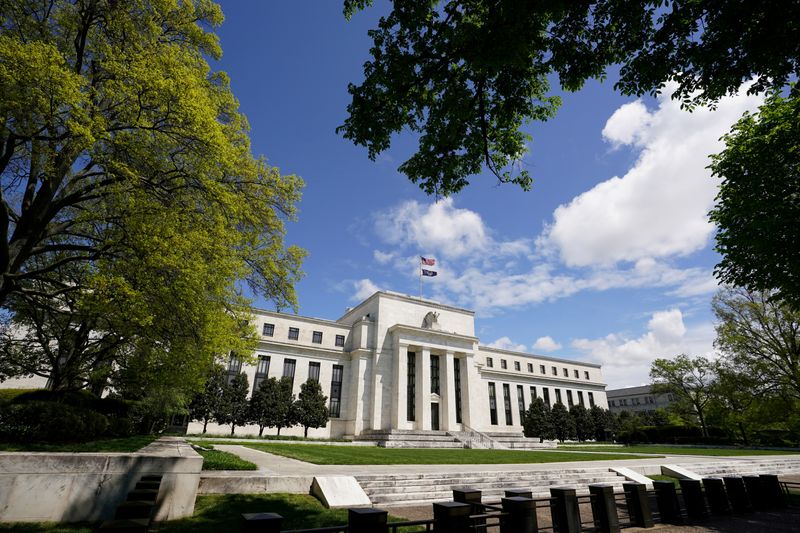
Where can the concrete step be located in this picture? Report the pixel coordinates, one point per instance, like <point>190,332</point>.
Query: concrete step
<point>467,480</point>
<point>419,444</point>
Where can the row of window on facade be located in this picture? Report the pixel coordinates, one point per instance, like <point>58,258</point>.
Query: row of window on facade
<point>623,402</point>
<point>289,365</point>
<point>294,334</point>
<point>521,400</point>
<point>542,369</point>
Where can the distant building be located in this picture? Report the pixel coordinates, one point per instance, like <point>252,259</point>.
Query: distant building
<point>636,400</point>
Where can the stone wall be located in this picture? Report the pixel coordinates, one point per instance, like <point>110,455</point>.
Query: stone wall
<point>76,487</point>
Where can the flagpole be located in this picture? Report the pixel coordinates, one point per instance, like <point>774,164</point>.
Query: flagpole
<point>420,278</point>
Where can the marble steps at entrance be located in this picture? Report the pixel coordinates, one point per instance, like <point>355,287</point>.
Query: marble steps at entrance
<point>514,441</point>
<point>410,439</point>
<point>427,488</point>
<point>781,466</point>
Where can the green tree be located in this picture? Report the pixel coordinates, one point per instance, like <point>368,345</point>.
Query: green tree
<point>271,403</point>
<point>536,422</point>
<point>233,407</point>
<point>601,422</point>
<point>584,422</point>
<point>563,425</point>
<point>310,409</point>
<point>206,403</point>
<point>285,417</point>
<point>127,160</point>
<point>760,334</point>
<point>690,381</point>
<point>468,74</point>
<point>758,204</point>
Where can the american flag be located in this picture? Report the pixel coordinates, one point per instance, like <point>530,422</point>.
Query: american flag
<point>426,261</point>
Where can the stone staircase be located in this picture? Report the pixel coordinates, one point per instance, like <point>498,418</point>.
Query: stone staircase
<point>396,438</point>
<point>420,489</point>
<point>513,441</point>
<point>767,465</point>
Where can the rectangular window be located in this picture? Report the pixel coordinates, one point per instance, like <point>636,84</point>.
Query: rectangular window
<point>533,394</point>
<point>542,370</point>
<point>411,371</point>
<point>489,362</point>
<point>580,398</point>
<point>294,334</point>
<point>492,404</point>
<point>586,374</point>
<point>507,404</point>
<point>530,368</point>
<point>570,402</point>
<point>521,400</point>
<point>546,396</point>
<point>555,371</point>
<point>576,374</point>
<point>262,371</point>
<point>288,368</point>
<point>503,364</point>
<point>340,340</point>
<point>558,396</point>
<point>269,330</point>
<point>313,371</point>
<point>613,402</point>
<point>516,366</point>
<point>434,374</point>
<point>336,391</point>
<point>316,337</point>
<point>234,367</point>
<point>457,376</point>
<point>566,373</point>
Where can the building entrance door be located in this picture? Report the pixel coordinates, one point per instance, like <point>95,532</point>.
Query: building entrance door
<point>435,416</point>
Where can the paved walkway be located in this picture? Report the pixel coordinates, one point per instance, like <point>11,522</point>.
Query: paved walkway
<point>272,464</point>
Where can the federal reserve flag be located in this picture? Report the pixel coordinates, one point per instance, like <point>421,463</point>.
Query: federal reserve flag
<point>429,273</point>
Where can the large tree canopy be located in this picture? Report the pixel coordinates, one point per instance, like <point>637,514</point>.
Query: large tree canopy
<point>468,74</point>
<point>111,116</point>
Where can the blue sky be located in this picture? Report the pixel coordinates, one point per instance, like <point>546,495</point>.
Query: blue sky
<point>608,258</point>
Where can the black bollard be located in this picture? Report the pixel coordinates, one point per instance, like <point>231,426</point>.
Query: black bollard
<point>452,517</point>
<point>773,495</point>
<point>472,497</point>
<point>367,520</point>
<point>715,494</point>
<point>693,499</point>
<point>737,494</point>
<point>261,523</point>
<point>638,505</point>
<point>521,515</point>
<point>566,513</point>
<point>521,493</point>
<point>755,492</point>
<point>604,507</point>
<point>667,498</point>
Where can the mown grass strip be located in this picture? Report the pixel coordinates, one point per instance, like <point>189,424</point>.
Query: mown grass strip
<point>362,455</point>
<point>120,445</point>
<point>680,450</point>
<point>219,460</point>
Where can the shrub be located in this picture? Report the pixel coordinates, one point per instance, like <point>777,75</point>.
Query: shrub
<point>47,421</point>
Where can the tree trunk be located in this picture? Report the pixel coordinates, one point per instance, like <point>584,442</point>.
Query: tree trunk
<point>279,431</point>
<point>205,425</point>
<point>702,421</point>
<point>744,434</point>
<point>233,427</point>
<point>260,430</point>
<point>305,432</point>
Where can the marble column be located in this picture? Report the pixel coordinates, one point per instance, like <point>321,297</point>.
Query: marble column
<point>400,384</point>
<point>423,389</point>
<point>448,397</point>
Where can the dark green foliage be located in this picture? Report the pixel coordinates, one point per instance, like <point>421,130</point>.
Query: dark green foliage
<point>536,422</point>
<point>206,403</point>
<point>310,410</point>
<point>758,206</point>
<point>467,74</point>
<point>584,422</point>
<point>233,406</point>
<point>271,404</point>
<point>603,423</point>
<point>562,423</point>
<point>43,421</point>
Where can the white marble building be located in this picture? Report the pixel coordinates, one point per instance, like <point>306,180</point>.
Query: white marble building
<point>395,362</point>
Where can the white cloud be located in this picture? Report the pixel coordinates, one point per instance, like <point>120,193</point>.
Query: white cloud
<point>364,289</point>
<point>546,344</point>
<point>659,207</point>
<point>504,343</point>
<point>626,361</point>
<point>383,257</point>
<point>438,227</point>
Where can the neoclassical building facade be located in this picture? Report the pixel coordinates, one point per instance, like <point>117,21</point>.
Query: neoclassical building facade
<point>395,362</point>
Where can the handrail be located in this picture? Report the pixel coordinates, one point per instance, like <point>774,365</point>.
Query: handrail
<point>474,436</point>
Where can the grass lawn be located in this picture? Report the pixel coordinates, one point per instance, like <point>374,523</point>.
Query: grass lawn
<point>219,460</point>
<point>679,450</point>
<point>222,512</point>
<point>48,527</point>
<point>364,455</point>
<point>127,444</point>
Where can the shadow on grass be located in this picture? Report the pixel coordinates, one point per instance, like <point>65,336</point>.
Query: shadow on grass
<point>48,527</point>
